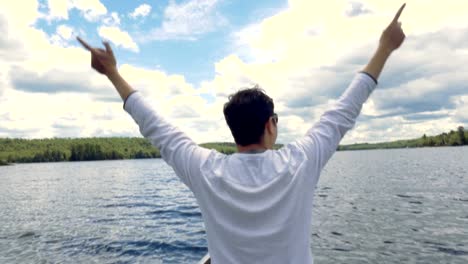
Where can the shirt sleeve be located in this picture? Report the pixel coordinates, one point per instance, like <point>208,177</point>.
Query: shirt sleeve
<point>322,140</point>
<point>176,148</point>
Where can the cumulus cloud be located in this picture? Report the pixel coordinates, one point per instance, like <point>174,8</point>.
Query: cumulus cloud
<point>461,113</point>
<point>7,44</point>
<point>58,9</point>
<point>27,8</point>
<point>62,35</point>
<point>427,75</point>
<point>188,20</point>
<point>91,10</point>
<point>303,56</point>
<point>141,11</point>
<point>51,82</point>
<point>356,9</point>
<point>112,20</point>
<point>57,115</point>
<point>418,89</point>
<point>71,100</point>
<point>16,32</point>
<point>55,82</point>
<point>118,37</point>
<point>64,31</point>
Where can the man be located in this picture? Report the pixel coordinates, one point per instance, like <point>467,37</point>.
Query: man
<point>257,203</point>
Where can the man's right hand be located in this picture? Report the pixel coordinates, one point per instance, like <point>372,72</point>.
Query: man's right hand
<point>391,39</point>
<point>103,61</point>
<point>393,36</point>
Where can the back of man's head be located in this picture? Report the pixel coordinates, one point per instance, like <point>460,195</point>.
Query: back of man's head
<point>246,114</point>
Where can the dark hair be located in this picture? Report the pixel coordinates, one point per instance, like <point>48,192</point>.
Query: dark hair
<point>246,113</point>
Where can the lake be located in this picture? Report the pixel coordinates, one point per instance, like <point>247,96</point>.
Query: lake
<point>375,206</point>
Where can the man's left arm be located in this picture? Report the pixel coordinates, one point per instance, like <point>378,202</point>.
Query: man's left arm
<point>322,139</point>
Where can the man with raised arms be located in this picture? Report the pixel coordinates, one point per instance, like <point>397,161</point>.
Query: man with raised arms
<point>257,203</point>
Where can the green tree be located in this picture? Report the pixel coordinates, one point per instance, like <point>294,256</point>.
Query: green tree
<point>461,135</point>
<point>454,140</point>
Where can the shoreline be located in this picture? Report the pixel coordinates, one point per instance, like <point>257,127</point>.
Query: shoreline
<point>4,163</point>
<point>120,148</point>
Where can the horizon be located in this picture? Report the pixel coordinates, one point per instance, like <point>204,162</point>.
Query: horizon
<point>187,56</point>
<point>232,142</point>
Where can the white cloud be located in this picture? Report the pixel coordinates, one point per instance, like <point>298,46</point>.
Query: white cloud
<point>3,77</point>
<point>141,11</point>
<point>61,72</point>
<point>65,32</point>
<point>49,115</point>
<point>66,98</point>
<point>423,16</point>
<point>306,55</point>
<point>28,10</point>
<point>92,10</point>
<point>322,34</point>
<point>188,20</point>
<point>58,9</point>
<point>112,20</point>
<point>461,113</point>
<point>146,79</point>
<point>62,36</point>
<point>303,56</point>
<point>118,37</point>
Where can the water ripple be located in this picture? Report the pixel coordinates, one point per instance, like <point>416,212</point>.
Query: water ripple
<point>392,206</point>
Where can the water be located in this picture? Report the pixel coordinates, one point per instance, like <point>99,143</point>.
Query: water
<point>380,206</point>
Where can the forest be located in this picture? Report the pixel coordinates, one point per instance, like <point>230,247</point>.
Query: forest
<point>76,149</point>
<point>457,137</point>
<point>14,150</point>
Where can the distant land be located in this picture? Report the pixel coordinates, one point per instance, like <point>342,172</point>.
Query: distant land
<point>13,150</point>
<point>457,137</point>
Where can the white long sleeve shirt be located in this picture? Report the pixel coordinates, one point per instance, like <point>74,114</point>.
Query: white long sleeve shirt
<point>257,208</point>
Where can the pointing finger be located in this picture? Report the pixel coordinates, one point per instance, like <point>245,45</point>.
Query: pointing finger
<point>108,47</point>
<point>397,16</point>
<point>84,44</point>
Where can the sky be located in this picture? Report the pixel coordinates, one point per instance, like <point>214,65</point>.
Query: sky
<point>188,56</point>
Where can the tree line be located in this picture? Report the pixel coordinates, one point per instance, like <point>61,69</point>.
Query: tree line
<point>80,149</point>
<point>457,137</point>
<point>14,150</point>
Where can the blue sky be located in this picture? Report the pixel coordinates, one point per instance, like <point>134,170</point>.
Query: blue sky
<point>187,56</point>
<point>191,55</point>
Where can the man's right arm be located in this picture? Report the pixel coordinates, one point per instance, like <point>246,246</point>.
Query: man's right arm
<point>391,39</point>
<point>176,148</point>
